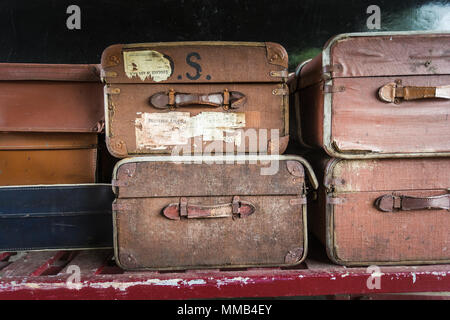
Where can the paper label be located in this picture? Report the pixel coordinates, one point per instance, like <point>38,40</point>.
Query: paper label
<point>156,130</point>
<point>147,64</point>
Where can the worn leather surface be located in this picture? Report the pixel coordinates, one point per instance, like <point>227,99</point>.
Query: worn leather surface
<point>146,239</point>
<point>356,232</point>
<point>391,91</point>
<point>390,203</point>
<point>226,100</point>
<point>261,110</point>
<point>361,123</point>
<point>50,98</point>
<point>50,72</point>
<point>235,209</point>
<point>391,55</point>
<point>203,62</point>
<point>47,158</point>
<point>195,71</point>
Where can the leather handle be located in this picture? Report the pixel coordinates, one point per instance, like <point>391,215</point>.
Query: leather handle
<point>390,203</point>
<point>394,92</point>
<point>235,209</point>
<point>171,100</point>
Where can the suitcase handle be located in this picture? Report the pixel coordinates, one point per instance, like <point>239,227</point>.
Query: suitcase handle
<point>171,100</point>
<point>394,92</point>
<point>390,203</point>
<point>235,209</point>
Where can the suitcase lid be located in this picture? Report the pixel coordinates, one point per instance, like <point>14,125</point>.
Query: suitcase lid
<point>30,201</point>
<point>211,176</point>
<point>51,98</point>
<point>50,72</point>
<point>45,141</point>
<point>375,54</point>
<point>342,175</point>
<point>194,62</point>
<point>387,54</point>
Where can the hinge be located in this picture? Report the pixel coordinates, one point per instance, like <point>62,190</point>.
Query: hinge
<point>110,90</point>
<point>337,182</point>
<point>333,89</point>
<point>108,74</point>
<point>280,91</point>
<point>333,68</point>
<point>301,200</point>
<point>334,200</point>
<point>279,74</point>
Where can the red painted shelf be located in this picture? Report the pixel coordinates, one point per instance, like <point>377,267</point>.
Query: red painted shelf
<point>52,275</point>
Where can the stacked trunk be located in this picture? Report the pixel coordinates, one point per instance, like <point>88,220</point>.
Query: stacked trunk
<point>209,210</point>
<point>51,117</point>
<point>378,105</point>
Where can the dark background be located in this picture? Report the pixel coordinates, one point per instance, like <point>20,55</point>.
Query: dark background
<point>35,31</point>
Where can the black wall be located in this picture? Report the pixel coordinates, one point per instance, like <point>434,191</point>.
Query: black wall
<point>35,31</point>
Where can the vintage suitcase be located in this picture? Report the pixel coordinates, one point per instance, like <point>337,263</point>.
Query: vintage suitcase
<point>56,217</point>
<point>196,97</point>
<point>383,211</point>
<point>374,95</point>
<point>47,158</point>
<point>50,117</point>
<point>50,98</point>
<point>171,213</point>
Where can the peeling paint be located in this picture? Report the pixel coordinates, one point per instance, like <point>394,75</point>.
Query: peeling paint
<point>233,280</point>
<point>194,282</point>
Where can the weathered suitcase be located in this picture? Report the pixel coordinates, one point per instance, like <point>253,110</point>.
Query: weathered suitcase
<point>56,217</point>
<point>47,158</point>
<point>373,95</point>
<point>50,117</point>
<point>171,214</point>
<point>383,211</point>
<point>194,97</point>
<point>50,98</point>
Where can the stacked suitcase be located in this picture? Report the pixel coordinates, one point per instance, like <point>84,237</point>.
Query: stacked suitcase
<point>51,117</point>
<point>172,111</point>
<point>200,128</point>
<point>378,105</point>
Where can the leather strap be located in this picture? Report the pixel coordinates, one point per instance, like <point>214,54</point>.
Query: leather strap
<point>394,92</point>
<point>390,203</point>
<point>235,209</point>
<point>171,100</point>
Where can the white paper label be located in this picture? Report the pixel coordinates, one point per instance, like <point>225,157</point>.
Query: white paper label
<point>147,64</point>
<point>156,130</point>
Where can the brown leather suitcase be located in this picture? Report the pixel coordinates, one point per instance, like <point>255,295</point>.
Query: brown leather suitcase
<point>218,212</point>
<point>383,211</point>
<point>50,118</point>
<point>376,95</point>
<point>196,97</point>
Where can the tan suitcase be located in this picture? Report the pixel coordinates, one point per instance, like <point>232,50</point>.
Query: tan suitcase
<point>29,158</point>
<point>50,118</point>
<point>196,98</point>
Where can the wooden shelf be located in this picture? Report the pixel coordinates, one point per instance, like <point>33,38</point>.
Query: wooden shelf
<point>49,275</point>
